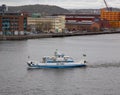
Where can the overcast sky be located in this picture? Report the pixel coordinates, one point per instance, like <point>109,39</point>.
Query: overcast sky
<point>68,4</point>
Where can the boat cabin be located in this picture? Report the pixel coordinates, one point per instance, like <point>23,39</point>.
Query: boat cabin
<point>57,58</point>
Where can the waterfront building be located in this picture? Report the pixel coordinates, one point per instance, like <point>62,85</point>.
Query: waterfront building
<point>13,23</point>
<point>82,22</point>
<point>112,16</point>
<point>83,26</point>
<point>57,23</point>
<point>3,8</point>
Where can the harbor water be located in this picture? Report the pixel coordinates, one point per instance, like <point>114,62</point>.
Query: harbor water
<point>100,77</point>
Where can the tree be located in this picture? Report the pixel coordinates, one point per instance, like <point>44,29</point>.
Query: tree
<point>39,26</point>
<point>95,29</point>
<point>44,26</point>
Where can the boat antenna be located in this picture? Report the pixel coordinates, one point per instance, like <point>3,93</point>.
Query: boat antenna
<point>56,52</point>
<point>28,57</point>
<point>84,55</point>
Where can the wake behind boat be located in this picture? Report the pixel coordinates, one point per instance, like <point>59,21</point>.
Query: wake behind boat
<point>59,60</point>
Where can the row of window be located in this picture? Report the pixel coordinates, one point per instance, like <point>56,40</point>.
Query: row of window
<point>12,28</point>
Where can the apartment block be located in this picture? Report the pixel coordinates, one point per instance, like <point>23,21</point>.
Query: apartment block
<point>57,22</point>
<point>112,16</point>
<point>12,23</point>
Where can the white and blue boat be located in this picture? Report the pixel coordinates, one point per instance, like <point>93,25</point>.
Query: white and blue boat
<point>59,60</point>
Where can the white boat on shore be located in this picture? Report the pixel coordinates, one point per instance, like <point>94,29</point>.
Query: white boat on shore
<point>59,60</point>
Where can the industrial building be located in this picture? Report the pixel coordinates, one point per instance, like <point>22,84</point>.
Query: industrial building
<point>82,22</point>
<point>87,26</point>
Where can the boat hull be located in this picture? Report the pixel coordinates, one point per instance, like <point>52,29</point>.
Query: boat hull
<point>68,65</point>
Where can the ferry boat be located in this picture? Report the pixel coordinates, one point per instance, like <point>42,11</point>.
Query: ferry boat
<point>59,60</point>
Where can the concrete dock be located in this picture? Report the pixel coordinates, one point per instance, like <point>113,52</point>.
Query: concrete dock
<point>53,35</point>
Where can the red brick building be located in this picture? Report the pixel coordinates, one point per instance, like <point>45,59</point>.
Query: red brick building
<point>83,22</point>
<point>83,26</point>
<point>13,22</point>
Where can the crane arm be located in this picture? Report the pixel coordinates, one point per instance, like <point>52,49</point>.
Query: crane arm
<point>106,4</point>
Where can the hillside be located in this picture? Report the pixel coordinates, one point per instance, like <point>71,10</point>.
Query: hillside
<point>43,9</point>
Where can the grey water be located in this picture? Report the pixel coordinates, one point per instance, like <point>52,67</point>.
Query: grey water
<point>100,77</point>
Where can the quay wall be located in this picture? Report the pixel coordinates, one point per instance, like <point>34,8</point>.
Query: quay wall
<point>52,35</point>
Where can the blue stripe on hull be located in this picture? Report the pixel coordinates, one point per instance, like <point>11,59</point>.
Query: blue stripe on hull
<point>63,66</point>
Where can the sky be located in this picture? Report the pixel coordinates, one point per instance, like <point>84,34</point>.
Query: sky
<point>67,4</point>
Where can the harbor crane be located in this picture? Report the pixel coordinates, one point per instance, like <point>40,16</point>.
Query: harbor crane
<point>106,4</point>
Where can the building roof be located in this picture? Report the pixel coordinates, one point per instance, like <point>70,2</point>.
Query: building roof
<point>74,14</point>
<point>10,13</point>
<point>80,23</point>
<point>112,9</point>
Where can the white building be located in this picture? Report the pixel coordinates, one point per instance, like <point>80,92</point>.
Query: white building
<point>57,22</point>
